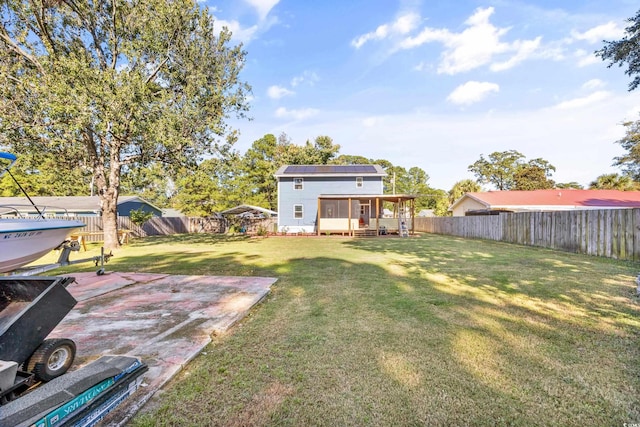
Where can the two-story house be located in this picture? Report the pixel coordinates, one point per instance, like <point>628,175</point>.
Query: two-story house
<point>338,199</point>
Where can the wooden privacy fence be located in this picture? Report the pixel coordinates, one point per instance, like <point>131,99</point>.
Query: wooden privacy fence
<point>612,233</point>
<point>159,226</point>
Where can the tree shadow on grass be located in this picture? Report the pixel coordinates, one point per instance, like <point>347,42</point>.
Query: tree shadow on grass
<point>191,239</point>
<point>402,342</point>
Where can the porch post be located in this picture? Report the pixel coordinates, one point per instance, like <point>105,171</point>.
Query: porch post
<point>349,201</point>
<point>377,216</point>
<point>413,209</point>
<point>319,215</point>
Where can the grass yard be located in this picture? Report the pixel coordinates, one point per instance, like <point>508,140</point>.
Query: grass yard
<point>430,330</point>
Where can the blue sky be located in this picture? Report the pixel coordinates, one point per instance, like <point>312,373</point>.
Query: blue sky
<point>437,83</point>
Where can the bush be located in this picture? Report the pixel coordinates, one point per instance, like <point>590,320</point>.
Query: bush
<point>139,216</point>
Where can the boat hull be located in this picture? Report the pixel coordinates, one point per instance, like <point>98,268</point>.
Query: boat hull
<point>23,241</point>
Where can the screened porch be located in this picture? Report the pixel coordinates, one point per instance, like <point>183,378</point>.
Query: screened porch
<point>371,215</point>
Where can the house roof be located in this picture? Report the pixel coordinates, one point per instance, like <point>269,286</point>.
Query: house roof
<point>554,199</point>
<point>68,203</point>
<point>384,197</point>
<point>330,170</point>
<point>241,209</point>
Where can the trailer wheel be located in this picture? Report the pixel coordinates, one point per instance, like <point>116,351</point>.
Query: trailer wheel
<point>52,358</point>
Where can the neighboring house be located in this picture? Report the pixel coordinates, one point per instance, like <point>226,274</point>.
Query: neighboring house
<point>426,213</point>
<point>338,199</point>
<point>172,213</point>
<point>491,202</point>
<point>76,205</point>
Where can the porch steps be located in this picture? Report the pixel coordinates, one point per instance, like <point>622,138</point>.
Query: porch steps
<point>365,232</point>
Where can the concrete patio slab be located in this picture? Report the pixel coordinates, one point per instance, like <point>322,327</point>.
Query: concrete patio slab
<point>164,320</point>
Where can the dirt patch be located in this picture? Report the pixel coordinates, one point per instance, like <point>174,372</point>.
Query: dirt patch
<point>262,405</point>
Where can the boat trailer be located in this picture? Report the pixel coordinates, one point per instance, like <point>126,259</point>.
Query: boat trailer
<point>33,390</point>
<point>65,249</point>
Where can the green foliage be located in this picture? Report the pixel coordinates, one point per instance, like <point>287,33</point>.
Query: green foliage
<point>113,85</point>
<point>151,183</point>
<point>267,154</point>
<point>45,175</point>
<point>498,169</point>
<point>461,187</point>
<point>625,51</point>
<point>507,170</point>
<point>262,231</point>
<point>566,185</point>
<point>435,199</point>
<point>630,162</point>
<point>614,181</point>
<point>139,216</point>
<point>533,177</point>
<point>208,189</point>
<point>346,159</point>
<point>621,52</point>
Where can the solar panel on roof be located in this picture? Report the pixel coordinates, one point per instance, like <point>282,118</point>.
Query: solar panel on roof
<point>326,169</point>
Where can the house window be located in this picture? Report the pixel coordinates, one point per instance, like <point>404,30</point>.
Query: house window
<point>297,211</point>
<point>297,183</point>
<point>359,182</point>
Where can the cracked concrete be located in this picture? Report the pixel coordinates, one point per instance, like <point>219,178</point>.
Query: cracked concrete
<point>164,320</point>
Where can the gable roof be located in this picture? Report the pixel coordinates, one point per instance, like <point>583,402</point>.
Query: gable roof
<point>330,170</point>
<point>554,199</point>
<point>241,209</point>
<point>68,203</point>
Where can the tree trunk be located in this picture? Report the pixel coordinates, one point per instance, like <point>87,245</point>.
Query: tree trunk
<point>110,220</point>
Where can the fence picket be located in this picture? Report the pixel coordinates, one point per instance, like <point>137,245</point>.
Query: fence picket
<point>602,232</point>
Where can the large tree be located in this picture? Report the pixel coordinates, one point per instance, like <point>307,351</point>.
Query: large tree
<point>614,181</point>
<point>630,161</point>
<point>460,188</point>
<point>267,154</point>
<point>625,51</point>
<point>260,163</point>
<point>498,169</point>
<point>532,177</point>
<point>508,170</point>
<point>117,84</point>
<point>45,175</point>
<point>621,52</point>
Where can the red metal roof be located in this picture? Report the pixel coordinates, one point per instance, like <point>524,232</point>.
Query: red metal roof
<point>565,197</point>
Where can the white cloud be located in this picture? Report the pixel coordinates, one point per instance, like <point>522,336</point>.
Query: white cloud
<point>369,121</point>
<point>585,58</point>
<point>404,24</point>
<point>593,84</point>
<point>277,92</point>
<point>308,77</point>
<point>238,32</point>
<point>444,145</point>
<point>472,92</point>
<point>263,7</point>
<point>475,46</point>
<point>584,101</point>
<point>524,49</point>
<point>301,114</point>
<point>246,34</point>
<point>608,31</point>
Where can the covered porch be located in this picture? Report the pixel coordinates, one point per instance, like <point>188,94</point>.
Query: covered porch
<point>359,214</point>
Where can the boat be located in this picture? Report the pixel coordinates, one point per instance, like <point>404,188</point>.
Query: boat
<point>25,239</point>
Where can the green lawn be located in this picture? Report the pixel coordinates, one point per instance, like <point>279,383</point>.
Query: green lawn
<point>430,330</point>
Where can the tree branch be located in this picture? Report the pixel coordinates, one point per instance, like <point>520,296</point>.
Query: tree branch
<point>4,36</point>
<point>44,32</point>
